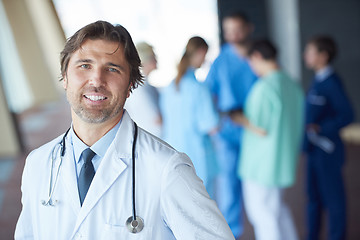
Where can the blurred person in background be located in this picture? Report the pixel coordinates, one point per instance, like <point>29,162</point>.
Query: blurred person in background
<point>143,103</point>
<point>273,122</point>
<point>189,116</point>
<point>327,111</point>
<point>229,80</point>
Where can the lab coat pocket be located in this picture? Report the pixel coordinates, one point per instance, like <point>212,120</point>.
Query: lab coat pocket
<point>113,232</point>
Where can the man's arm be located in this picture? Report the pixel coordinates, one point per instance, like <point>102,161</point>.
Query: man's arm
<point>186,207</point>
<point>341,105</point>
<point>24,228</point>
<point>239,118</point>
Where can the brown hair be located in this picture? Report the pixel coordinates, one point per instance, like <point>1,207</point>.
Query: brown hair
<point>265,47</point>
<point>194,44</point>
<point>241,16</point>
<point>104,31</point>
<point>325,44</point>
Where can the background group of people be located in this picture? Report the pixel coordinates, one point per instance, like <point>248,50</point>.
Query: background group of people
<point>249,121</point>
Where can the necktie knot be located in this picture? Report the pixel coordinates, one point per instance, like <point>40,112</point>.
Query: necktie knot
<point>88,155</point>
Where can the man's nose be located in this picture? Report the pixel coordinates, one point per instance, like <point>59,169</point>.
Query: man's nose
<point>97,77</point>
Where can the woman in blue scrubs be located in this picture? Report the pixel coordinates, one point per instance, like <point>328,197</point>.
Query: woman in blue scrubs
<point>189,116</point>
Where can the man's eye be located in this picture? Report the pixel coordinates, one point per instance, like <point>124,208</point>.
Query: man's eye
<point>85,66</point>
<point>113,70</point>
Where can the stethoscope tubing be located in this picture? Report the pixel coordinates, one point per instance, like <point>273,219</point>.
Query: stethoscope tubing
<point>62,154</point>
<point>133,169</point>
<point>134,223</point>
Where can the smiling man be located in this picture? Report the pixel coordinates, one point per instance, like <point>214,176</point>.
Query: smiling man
<point>105,178</point>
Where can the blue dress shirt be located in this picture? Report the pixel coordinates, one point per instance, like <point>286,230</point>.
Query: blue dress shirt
<point>100,147</point>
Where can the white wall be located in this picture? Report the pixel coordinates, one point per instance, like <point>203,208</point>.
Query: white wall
<point>284,31</point>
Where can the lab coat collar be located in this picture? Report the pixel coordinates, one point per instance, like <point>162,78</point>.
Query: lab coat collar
<point>69,177</point>
<point>112,165</point>
<point>124,137</point>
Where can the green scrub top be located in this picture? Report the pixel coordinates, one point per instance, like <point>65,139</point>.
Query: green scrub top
<point>275,104</point>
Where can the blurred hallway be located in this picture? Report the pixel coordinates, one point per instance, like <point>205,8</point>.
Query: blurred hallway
<point>48,121</point>
<point>38,125</point>
<point>32,36</point>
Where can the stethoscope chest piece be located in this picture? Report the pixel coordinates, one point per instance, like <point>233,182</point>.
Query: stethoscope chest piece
<point>135,225</point>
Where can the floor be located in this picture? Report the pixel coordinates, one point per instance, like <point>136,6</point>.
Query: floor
<point>43,123</point>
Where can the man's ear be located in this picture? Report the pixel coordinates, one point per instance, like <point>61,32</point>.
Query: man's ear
<point>129,90</point>
<point>325,57</point>
<point>65,82</point>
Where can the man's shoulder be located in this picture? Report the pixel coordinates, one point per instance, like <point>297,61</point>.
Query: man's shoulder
<point>225,52</point>
<point>226,48</point>
<point>332,81</point>
<point>150,142</point>
<point>160,151</point>
<point>260,87</point>
<point>46,148</point>
<point>41,156</point>
<point>327,86</point>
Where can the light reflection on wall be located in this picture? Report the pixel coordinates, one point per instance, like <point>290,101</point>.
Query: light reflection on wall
<point>14,81</point>
<point>167,25</point>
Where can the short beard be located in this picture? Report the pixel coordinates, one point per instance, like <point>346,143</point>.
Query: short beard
<point>100,116</point>
<point>93,116</point>
<point>245,42</point>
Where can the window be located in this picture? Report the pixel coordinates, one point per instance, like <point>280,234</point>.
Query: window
<point>166,25</point>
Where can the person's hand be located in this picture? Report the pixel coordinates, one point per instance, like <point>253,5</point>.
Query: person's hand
<point>239,118</point>
<point>259,131</point>
<point>213,131</point>
<point>313,127</point>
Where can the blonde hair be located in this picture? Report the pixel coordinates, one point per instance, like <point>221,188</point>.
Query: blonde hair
<point>145,50</point>
<point>194,44</point>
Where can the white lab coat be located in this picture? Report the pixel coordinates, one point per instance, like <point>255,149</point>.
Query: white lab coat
<point>169,196</point>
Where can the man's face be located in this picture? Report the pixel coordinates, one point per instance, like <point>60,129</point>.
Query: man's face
<point>235,30</point>
<point>97,81</point>
<point>314,59</point>
<point>255,61</point>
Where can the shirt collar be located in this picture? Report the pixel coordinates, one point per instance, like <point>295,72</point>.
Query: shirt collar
<point>100,147</point>
<point>78,145</point>
<point>323,73</point>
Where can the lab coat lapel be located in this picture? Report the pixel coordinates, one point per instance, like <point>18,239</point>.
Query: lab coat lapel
<point>111,166</point>
<point>69,178</point>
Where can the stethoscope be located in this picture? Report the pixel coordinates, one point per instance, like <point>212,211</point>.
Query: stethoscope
<point>135,224</point>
